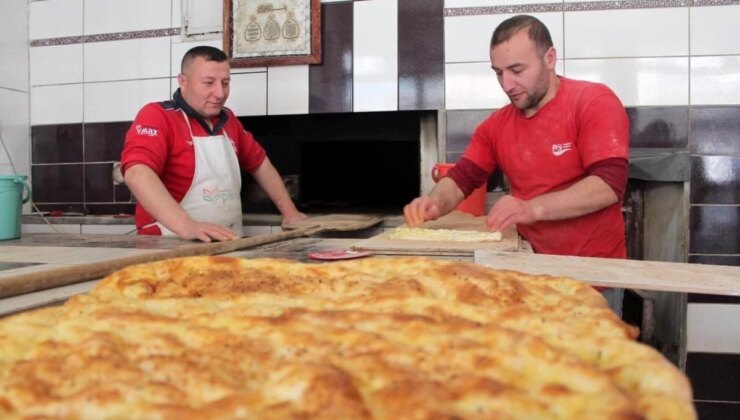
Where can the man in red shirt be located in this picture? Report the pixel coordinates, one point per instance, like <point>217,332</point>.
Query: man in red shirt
<point>562,143</point>
<point>182,158</point>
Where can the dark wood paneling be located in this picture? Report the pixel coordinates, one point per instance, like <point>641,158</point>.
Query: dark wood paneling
<point>421,56</point>
<point>330,83</point>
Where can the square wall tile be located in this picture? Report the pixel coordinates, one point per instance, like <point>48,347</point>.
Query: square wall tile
<point>714,376</point>
<point>287,90</point>
<point>59,64</point>
<point>715,180</point>
<point>637,81</point>
<point>99,182</point>
<point>57,183</point>
<point>14,131</point>
<point>56,104</point>
<point>105,16</point>
<point>468,38</point>
<point>57,143</point>
<point>472,86</point>
<point>375,56</point>
<point>714,30</point>
<point>710,328</point>
<point>460,127</point>
<point>711,410</point>
<point>248,94</point>
<point>715,130</point>
<point>715,80</point>
<point>130,97</point>
<point>662,127</point>
<point>55,18</point>
<point>104,141</point>
<point>713,230</point>
<point>124,60</point>
<point>733,260</point>
<point>627,33</point>
<point>121,194</point>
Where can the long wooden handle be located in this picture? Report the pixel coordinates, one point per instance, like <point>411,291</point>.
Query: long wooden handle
<point>31,282</point>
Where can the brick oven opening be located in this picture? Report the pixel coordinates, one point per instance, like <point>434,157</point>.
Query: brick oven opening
<point>348,163</point>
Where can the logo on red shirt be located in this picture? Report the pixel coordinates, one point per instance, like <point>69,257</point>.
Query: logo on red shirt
<point>560,149</point>
<point>146,131</point>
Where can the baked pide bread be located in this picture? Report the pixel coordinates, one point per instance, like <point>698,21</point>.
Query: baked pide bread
<point>387,338</point>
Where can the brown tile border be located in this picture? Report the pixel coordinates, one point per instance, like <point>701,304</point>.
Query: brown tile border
<point>116,36</point>
<point>583,6</point>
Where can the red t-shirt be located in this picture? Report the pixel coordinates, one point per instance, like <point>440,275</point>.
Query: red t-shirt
<point>160,138</point>
<point>585,123</point>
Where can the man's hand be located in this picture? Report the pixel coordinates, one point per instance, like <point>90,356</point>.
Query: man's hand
<point>206,232</point>
<point>420,210</point>
<point>508,211</point>
<point>293,217</point>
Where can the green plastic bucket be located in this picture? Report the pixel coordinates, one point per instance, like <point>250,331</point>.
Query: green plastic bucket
<point>11,200</point>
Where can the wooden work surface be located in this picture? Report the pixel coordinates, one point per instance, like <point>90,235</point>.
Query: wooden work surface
<point>382,244</point>
<point>626,274</point>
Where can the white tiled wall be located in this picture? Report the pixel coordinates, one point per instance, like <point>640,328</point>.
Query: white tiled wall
<point>637,81</point>
<point>56,104</point>
<point>287,90</point>
<point>55,18</point>
<point>106,16</point>
<point>115,101</point>
<point>248,95</point>
<point>126,60</point>
<point>715,80</point>
<point>58,64</point>
<point>715,30</point>
<point>713,328</point>
<point>627,33</point>
<point>467,38</point>
<point>695,62</point>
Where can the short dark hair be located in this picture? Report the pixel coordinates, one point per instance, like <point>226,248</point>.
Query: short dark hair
<point>205,52</point>
<point>537,31</point>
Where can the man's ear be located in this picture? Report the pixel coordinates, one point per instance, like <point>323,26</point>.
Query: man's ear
<point>181,79</point>
<point>551,58</point>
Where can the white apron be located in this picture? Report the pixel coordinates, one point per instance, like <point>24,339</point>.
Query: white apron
<point>213,196</point>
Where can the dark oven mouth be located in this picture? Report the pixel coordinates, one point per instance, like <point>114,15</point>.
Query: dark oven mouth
<point>339,163</point>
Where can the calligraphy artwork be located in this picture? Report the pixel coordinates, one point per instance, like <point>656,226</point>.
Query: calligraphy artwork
<point>272,32</point>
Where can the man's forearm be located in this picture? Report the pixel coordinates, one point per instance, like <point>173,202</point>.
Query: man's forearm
<point>585,196</point>
<point>153,195</point>
<point>269,179</point>
<point>447,195</point>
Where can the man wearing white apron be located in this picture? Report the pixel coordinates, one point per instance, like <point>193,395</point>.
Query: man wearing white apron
<point>182,158</point>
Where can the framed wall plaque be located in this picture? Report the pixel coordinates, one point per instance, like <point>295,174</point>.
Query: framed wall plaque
<point>272,32</point>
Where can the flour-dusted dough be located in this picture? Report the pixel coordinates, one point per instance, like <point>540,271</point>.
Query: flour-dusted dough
<point>423,234</point>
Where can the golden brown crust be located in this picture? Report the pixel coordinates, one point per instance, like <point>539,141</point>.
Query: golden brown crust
<point>217,337</point>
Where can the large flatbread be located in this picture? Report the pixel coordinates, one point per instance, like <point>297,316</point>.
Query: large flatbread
<point>392,338</point>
